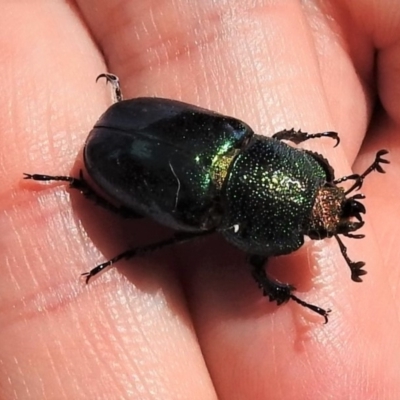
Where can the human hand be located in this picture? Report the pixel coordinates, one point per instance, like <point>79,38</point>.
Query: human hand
<point>190,322</point>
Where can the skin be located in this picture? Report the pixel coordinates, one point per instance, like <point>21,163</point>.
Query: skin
<point>190,322</point>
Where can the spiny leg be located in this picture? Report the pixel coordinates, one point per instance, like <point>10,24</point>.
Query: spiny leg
<point>114,81</point>
<point>143,250</point>
<point>82,185</point>
<point>299,136</point>
<point>277,291</point>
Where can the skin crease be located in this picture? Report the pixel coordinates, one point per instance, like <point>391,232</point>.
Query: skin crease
<point>190,322</point>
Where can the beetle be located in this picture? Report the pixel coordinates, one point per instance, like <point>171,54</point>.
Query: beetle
<point>200,172</point>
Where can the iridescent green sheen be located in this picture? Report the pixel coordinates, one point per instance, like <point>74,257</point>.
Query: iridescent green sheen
<point>270,192</point>
<point>170,158</point>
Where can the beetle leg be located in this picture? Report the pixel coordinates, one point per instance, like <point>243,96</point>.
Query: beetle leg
<point>144,250</point>
<point>277,291</point>
<point>354,177</point>
<point>82,185</point>
<point>114,81</point>
<point>299,136</point>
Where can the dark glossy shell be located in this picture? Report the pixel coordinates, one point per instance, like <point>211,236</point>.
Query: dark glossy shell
<point>269,194</point>
<point>158,157</point>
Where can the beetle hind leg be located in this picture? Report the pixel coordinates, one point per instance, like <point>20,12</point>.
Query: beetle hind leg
<point>82,186</point>
<point>277,291</point>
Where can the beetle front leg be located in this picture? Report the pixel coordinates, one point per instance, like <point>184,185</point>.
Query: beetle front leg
<point>82,185</point>
<point>277,291</point>
<point>299,136</point>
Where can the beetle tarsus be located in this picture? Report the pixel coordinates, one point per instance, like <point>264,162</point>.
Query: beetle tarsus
<point>324,313</point>
<point>96,270</point>
<point>114,81</point>
<point>277,291</point>
<point>47,178</point>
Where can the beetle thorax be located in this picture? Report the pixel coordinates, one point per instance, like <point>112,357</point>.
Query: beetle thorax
<point>326,214</point>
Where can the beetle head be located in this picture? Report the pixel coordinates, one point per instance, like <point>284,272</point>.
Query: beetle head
<point>333,213</point>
